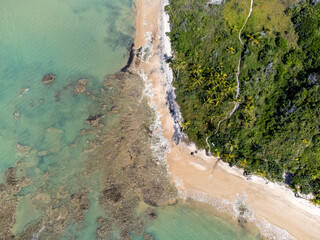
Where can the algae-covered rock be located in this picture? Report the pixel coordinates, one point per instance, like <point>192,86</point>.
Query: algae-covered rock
<point>117,159</point>
<point>94,120</point>
<point>104,230</point>
<point>9,202</point>
<point>81,205</point>
<point>22,150</point>
<point>16,115</point>
<point>48,78</point>
<point>81,86</point>
<point>130,172</point>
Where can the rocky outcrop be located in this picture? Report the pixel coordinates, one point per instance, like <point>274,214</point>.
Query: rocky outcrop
<point>94,120</point>
<point>48,78</point>
<point>119,152</point>
<point>81,205</point>
<point>81,86</point>
<point>9,202</point>
<point>131,173</point>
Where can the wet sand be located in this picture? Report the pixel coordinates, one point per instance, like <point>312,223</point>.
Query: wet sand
<point>272,207</point>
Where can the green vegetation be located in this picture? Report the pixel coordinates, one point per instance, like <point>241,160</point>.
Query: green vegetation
<point>276,128</point>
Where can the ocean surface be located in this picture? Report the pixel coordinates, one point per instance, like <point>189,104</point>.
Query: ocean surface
<point>69,149</point>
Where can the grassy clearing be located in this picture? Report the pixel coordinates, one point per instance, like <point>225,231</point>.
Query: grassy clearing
<point>266,15</point>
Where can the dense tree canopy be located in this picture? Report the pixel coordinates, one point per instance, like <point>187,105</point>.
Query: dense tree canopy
<point>275,132</point>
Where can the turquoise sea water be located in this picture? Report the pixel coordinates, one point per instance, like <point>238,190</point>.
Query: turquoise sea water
<point>40,124</point>
<point>197,222</point>
<point>72,39</point>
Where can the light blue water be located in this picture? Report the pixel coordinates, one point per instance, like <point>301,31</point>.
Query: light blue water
<point>196,222</point>
<point>40,124</point>
<point>73,39</point>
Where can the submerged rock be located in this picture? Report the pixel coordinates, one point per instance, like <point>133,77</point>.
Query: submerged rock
<point>9,202</point>
<point>147,236</point>
<point>104,230</point>
<point>81,86</point>
<point>81,205</point>
<point>57,96</point>
<point>48,78</point>
<point>16,115</point>
<point>86,131</point>
<point>130,171</point>
<point>112,194</point>
<point>94,120</point>
<point>23,91</point>
<point>43,153</point>
<point>22,150</point>
<point>151,213</point>
<point>114,109</point>
<point>120,163</point>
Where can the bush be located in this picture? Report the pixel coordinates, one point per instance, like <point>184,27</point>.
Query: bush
<point>282,43</point>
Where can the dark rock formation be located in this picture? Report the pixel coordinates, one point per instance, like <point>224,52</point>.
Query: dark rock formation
<point>130,60</point>
<point>94,120</point>
<point>8,202</point>
<point>112,194</point>
<point>151,213</point>
<point>48,78</point>
<point>81,205</point>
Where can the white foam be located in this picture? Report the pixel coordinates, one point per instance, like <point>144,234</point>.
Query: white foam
<point>147,50</point>
<point>222,205</point>
<point>271,231</point>
<point>159,145</point>
<point>235,209</point>
<point>166,43</point>
<point>178,182</point>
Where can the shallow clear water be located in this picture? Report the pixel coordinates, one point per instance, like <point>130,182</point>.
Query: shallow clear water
<point>197,222</point>
<point>40,125</point>
<point>72,39</point>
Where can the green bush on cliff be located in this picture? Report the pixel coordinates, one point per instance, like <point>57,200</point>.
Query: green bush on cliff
<point>276,128</point>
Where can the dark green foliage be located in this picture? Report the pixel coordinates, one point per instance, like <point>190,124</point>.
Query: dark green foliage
<point>282,43</point>
<point>276,129</point>
<point>306,19</point>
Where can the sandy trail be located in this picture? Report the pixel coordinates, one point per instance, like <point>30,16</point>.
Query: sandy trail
<point>273,208</point>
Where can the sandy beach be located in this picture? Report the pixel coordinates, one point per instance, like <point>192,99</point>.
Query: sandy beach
<point>272,207</point>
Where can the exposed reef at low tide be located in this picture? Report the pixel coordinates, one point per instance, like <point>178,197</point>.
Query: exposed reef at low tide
<point>117,154</point>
